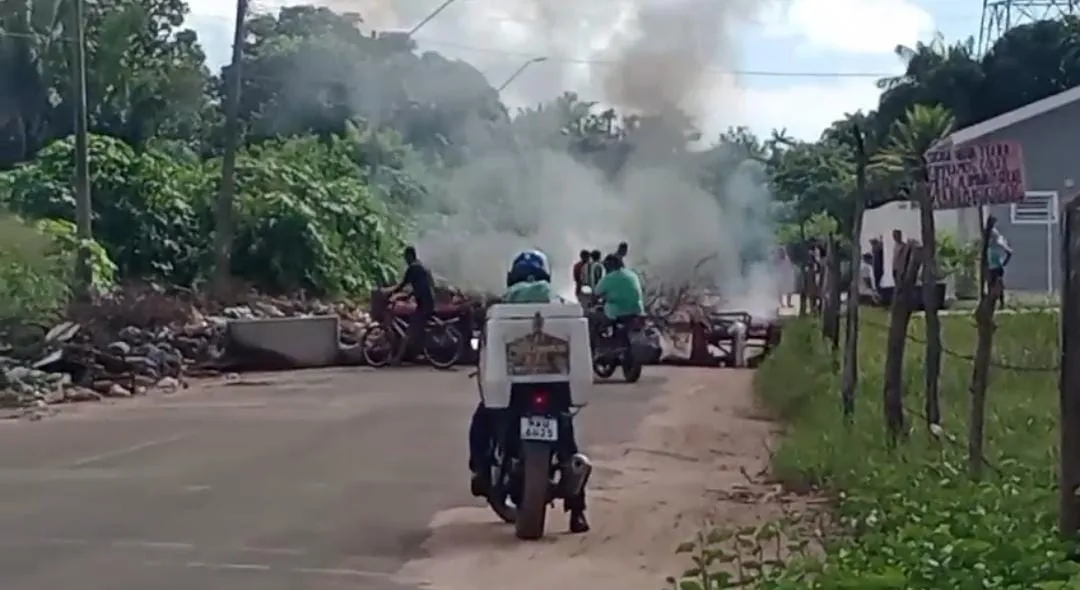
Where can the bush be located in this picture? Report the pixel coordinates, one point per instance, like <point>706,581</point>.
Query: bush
<point>33,280</point>
<point>910,517</point>
<point>37,263</point>
<point>305,219</point>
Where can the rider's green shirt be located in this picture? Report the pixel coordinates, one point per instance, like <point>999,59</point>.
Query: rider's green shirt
<point>622,294</point>
<point>530,292</point>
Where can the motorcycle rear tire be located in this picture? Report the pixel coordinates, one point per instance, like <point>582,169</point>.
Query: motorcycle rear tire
<point>443,347</point>
<point>535,486</point>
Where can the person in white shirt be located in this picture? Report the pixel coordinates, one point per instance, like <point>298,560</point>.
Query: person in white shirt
<point>868,293</point>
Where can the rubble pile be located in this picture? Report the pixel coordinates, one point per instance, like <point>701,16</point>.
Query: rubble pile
<point>138,339</point>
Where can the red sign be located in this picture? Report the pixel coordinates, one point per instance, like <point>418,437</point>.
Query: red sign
<point>976,175</point>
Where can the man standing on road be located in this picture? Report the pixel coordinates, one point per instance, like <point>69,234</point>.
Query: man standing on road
<point>594,271</point>
<point>418,278</point>
<point>998,255</point>
<point>622,251</point>
<point>579,272</point>
<point>877,253</point>
<point>899,256</point>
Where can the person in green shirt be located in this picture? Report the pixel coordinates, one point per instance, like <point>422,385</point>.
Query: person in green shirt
<point>621,290</point>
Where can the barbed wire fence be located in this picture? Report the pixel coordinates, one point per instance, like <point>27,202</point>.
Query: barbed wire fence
<point>995,363</point>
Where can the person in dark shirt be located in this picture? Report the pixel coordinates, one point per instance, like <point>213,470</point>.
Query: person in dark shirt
<point>622,251</point>
<point>579,271</point>
<point>877,253</point>
<point>418,278</point>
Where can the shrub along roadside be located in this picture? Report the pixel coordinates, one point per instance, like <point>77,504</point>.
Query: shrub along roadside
<point>910,518</point>
<point>305,219</point>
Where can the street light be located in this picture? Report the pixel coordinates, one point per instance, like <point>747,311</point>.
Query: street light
<point>518,72</point>
<point>434,13</point>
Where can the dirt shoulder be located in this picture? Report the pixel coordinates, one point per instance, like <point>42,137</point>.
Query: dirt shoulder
<point>691,462</point>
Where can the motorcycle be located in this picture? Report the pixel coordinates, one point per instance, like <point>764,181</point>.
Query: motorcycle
<point>532,384</point>
<point>613,343</point>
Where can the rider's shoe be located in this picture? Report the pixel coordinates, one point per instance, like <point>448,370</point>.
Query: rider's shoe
<point>578,522</point>
<point>479,486</point>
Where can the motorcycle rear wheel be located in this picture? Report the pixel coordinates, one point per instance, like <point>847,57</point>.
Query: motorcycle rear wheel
<point>535,485</point>
<point>377,346</point>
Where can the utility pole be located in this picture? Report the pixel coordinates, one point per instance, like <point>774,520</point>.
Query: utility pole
<point>84,274</point>
<point>223,236</point>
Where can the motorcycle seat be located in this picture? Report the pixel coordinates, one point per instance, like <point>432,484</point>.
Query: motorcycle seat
<point>406,309</point>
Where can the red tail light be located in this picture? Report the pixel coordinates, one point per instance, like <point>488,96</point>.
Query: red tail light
<point>540,401</point>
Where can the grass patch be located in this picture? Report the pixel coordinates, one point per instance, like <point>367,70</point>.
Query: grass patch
<point>912,518</point>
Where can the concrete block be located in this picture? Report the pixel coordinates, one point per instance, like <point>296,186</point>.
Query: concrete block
<point>301,342</point>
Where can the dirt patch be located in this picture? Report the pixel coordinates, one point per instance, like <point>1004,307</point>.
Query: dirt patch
<point>690,463</point>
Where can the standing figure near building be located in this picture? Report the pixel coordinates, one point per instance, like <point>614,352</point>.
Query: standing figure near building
<point>998,255</point>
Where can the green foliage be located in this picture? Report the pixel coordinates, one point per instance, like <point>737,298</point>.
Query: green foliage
<point>909,518</point>
<point>33,279</point>
<point>305,218</point>
<point>955,256</point>
<point>144,211</point>
<point>306,221</point>
<point>64,240</point>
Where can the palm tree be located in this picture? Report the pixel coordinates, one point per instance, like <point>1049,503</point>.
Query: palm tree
<point>902,160</point>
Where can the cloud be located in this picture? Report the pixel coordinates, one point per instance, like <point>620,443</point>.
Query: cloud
<point>851,26</point>
<point>805,109</point>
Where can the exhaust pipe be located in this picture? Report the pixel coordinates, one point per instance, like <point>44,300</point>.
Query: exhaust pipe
<point>576,475</point>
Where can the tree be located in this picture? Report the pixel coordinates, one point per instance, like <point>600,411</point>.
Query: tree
<point>146,75</point>
<point>903,158</point>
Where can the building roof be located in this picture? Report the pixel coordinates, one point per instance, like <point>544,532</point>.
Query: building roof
<point>1030,111</point>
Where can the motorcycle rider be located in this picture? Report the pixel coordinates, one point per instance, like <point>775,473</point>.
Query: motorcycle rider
<point>529,281</point>
<point>621,291</point>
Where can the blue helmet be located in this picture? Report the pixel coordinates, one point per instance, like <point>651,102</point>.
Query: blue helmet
<point>530,263</point>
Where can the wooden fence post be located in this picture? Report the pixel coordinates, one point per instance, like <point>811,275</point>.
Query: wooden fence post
<point>850,375</point>
<point>899,319</point>
<point>980,370</point>
<point>1069,378</point>
<point>830,324</point>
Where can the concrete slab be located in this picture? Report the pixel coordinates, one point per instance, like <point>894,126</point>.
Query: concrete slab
<point>301,342</point>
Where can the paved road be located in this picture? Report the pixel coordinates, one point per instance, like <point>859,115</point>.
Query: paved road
<point>304,480</point>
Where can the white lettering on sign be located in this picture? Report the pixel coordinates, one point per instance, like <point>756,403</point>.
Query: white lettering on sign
<point>976,175</point>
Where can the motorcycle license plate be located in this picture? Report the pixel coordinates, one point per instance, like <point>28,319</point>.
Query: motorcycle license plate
<point>539,428</point>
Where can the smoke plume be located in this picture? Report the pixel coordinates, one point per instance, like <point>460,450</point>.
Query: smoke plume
<point>640,56</point>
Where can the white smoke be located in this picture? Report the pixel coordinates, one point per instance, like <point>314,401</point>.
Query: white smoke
<point>640,56</point>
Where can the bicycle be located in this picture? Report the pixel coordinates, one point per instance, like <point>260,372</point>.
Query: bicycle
<point>441,345</point>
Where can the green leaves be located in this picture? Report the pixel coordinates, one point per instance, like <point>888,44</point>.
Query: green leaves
<point>305,218</point>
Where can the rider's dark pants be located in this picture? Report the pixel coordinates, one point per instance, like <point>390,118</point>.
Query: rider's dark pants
<point>482,428</point>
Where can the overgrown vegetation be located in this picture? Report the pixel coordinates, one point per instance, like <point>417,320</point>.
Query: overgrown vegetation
<point>909,517</point>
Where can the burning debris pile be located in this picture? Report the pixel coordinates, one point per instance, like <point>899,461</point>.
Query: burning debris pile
<point>139,339</point>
